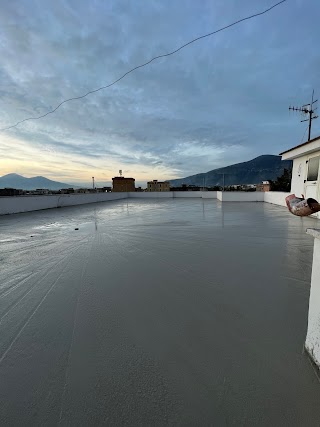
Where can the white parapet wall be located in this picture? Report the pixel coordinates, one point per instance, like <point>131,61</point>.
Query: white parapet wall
<point>240,196</point>
<point>312,344</point>
<point>19,204</point>
<point>174,195</point>
<point>151,195</point>
<point>209,194</point>
<point>188,194</point>
<point>276,197</point>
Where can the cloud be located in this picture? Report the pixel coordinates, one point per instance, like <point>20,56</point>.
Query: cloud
<point>221,100</point>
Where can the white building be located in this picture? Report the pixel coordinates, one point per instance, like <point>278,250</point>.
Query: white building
<point>305,171</point>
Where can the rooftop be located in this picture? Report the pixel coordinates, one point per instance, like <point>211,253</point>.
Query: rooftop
<point>305,146</point>
<point>156,312</point>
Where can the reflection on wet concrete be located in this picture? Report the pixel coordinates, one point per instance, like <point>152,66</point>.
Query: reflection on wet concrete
<point>163,312</point>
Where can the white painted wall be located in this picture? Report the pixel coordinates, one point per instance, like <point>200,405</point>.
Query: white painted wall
<point>18,204</point>
<point>313,334</point>
<point>151,195</point>
<point>188,194</point>
<point>303,149</point>
<point>300,155</point>
<point>240,196</point>
<point>275,197</point>
<point>299,174</point>
<point>209,194</point>
<point>174,194</point>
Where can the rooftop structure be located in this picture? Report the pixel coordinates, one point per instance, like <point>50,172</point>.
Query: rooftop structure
<point>156,185</point>
<point>306,169</point>
<point>122,184</point>
<point>156,312</point>
<point>264,186</point>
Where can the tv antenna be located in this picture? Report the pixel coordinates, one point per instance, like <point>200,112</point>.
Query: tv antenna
<point>307,109</point>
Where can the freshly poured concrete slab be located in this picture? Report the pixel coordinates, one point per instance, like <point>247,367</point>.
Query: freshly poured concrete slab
<point>156,312</point>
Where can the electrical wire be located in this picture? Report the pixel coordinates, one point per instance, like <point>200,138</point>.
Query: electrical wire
<point>146,63</point>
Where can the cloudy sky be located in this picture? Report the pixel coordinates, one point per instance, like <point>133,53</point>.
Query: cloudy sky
<point>219,101</point>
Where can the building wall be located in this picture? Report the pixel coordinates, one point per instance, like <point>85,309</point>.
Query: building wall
<point>158,186</point>
<point>122,184</point>
<point>300,157</point>
<point>313,334</point>
<point>299,174</point>
<point>263,187</point>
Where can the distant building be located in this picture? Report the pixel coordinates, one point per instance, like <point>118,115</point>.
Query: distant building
<point>156,185</point>
<point>122,184</point>
<point>185,187</point>
<point>103,190</point>
<point>264,186</point>
<point>67,191</point>
<point>5,192</point>
<point>81,190</point>
<point>41,191</point>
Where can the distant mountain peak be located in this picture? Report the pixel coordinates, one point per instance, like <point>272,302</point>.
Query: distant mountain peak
<point>14,180</point>
<point>262,168</point>
<point>9,175</point>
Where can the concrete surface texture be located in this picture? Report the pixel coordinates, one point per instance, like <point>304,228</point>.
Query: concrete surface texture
<point>156,312</point>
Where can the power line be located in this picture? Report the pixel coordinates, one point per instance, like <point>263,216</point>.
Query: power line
<point>146,63</point>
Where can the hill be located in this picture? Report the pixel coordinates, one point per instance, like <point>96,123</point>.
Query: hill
<point>13,180</point>
<point>262,168</point>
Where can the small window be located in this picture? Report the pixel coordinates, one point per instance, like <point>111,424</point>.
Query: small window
<point>313,168</point>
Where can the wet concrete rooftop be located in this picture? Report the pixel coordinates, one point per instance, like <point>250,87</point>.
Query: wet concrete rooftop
<point>156,312</point>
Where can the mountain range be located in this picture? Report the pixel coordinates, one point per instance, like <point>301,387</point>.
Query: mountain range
<point>13,180</point>
<point>262,168</point>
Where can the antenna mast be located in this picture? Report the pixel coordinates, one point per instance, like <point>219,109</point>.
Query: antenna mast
<point>307,109</point>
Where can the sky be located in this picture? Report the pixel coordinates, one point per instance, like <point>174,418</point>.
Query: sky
<point>220,101</point>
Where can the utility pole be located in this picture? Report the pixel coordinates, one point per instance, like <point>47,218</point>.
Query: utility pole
<point>307,109</point>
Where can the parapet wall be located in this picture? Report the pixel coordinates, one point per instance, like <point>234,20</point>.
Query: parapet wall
<point>240,196</point>
<point>174,195</point>
<point>18,204</point>
<point>276,197</point>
